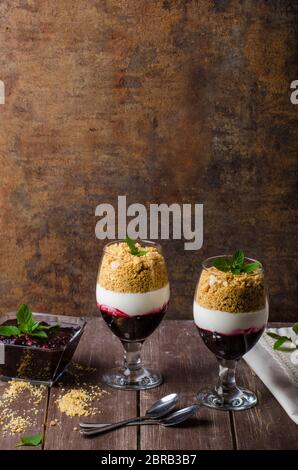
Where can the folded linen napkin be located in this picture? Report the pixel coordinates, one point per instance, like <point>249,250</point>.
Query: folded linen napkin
<point>278,370</point>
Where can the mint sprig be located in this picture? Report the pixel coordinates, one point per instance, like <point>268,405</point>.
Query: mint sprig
<point>26,325</point>
<point>35,440</point>
<point>134,250</point>
<point>281,339</point>
<point>236,264</point>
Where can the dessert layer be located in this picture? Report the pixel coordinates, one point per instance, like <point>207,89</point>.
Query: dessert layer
<point>122,271</point>
<point>133,304</point>
<point>234,293</point>
<point>229,323</point>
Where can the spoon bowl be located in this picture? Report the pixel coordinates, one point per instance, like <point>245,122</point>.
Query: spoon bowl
<point>179,416</point>
<point>163,406</point>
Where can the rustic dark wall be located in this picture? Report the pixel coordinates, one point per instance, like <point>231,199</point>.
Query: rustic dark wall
<point>165,101</point>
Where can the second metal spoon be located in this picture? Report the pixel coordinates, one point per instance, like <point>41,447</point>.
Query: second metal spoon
<point>172,419</point>
<point>160,408</point>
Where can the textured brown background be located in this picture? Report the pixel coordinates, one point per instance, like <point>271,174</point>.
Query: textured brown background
<point>165,101</point>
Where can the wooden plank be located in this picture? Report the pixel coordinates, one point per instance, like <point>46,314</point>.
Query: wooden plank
<point>266,426</point>
<point>176,350</point>
<point>24,406</point>
<point>99,349</point>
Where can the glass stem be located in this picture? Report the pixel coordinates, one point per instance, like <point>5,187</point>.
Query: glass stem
<point>132,355</point>
<point>226,386</point>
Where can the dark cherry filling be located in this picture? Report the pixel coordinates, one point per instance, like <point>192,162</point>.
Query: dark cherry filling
<point>33,358</point>
<point>130,329</point>
<point>57,338</point>
<point>230,347</point>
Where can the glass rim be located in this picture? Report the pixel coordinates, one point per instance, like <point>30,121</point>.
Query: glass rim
<point>246,258</point>
<point>138,240</point>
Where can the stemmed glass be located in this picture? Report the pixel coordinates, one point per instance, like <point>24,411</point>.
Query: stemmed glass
<point>132,295</point>
<point>231,313</point>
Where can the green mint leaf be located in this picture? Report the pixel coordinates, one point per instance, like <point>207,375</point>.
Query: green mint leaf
<point>236,270</point>
<point>141,253</point>
<point>39,333</point>
<point>134,250</point>
<point>131,245</point>
<point>238,259</point>
<point>277,345</point>
<point>277,336</point>
<point>25,318</point>
<point>48,327</point>
<point>223,264</point>
<point>236,265</point>
<point>295,328</point>
<point>249,268</point>
<point>35,326</point>
<point>35,440</point>
<point>9,330</point>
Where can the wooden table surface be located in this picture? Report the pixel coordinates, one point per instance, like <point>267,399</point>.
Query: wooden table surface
<point>176,350</point>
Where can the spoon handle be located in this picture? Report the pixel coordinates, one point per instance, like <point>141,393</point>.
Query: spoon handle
<point>93,427</point>
<point>110,427</point>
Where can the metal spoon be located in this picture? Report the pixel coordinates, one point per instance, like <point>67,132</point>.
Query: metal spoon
<point>172,419</point>
<point>160,408</point>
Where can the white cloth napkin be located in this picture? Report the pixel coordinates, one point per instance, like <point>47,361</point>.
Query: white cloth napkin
<point>277,371</point>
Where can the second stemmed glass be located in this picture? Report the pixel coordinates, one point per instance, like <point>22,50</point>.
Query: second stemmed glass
<point>230,312</point>
<point>132,295</point>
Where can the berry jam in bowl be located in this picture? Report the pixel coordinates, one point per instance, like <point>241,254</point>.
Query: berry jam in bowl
<point>43,353</point>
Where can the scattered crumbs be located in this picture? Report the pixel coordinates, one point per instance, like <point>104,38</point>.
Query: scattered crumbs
<point>14,417</point>
<point>75,428</point>
<point>16,424</point>
<point>80,401</point>
<point>53,423</point>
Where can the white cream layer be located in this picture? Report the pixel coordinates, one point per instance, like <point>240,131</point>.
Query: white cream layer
<point>229,323</point>
<point>133,304</point>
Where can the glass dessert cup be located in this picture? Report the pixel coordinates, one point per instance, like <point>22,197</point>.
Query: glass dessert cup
<point>132,295</point>
<point>230,313</point>
<point>36,363</point>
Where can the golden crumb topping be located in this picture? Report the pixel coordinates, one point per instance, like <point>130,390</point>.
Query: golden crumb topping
<point>234,293</point>
<point>122,271</point>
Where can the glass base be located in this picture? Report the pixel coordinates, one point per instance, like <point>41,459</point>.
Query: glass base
<point>244,400</point>
<point>125,379</point>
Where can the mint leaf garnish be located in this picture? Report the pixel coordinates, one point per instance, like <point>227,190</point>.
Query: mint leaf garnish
<point>49,327</point>
<point>223,264</point>
<point>26,325</point>
<point>250,267</point>
<point>280,340</point>
<point>276,336</point>
<point>277,345</point>
<point>25,318</point>
<point>9,330</point>
<point>134,250</point>
<point>238,259</point>
<point>35,440</point>
<point>236,264</point>
<point>39,334</point>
